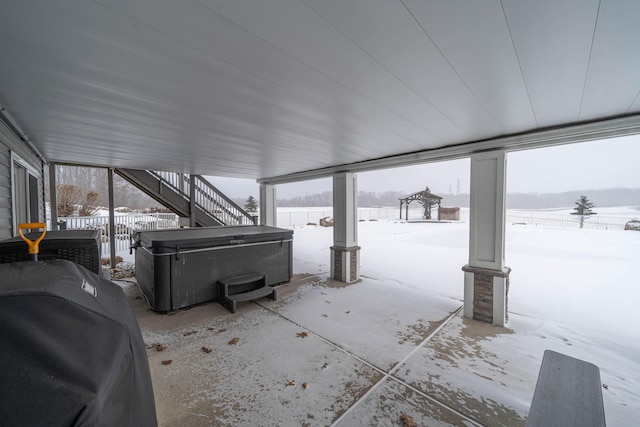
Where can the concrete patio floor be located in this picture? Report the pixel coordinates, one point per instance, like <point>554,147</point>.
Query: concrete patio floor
<point>366,354</point>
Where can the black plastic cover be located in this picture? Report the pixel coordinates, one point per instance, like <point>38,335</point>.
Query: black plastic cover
<point>164,241</point>
<point>71,351</point>
<point>180,268</point>
<point>84,247</point>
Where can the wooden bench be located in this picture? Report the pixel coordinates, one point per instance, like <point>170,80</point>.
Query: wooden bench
<point>568,393</point>
<point>246,287</point>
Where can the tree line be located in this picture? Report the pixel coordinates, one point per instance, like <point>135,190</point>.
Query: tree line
<point>81,190</point>
<point>603,198</point>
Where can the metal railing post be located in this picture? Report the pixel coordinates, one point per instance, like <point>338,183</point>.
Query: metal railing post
<point>53,197</point>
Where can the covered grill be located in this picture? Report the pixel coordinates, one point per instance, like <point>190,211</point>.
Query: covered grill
<point>71,349</point>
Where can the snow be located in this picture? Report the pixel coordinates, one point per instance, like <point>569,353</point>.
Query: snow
<point>394,343</point>
<point>573,291</point>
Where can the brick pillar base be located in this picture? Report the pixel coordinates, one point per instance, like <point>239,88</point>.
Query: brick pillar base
<point>486,294</point>
<point>345,263</point>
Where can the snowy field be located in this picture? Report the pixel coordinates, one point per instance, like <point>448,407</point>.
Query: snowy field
<point>573,291</point>
<point>609,218</point>
<point>606,219</point>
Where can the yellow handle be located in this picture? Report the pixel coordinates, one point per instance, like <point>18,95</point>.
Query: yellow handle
<point>34,246</point>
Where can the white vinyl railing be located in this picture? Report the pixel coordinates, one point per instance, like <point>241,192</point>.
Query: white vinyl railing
<point>207,197</point>
<point>125,225</point>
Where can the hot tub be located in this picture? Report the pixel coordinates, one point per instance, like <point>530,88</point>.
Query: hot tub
<point>181,267</point>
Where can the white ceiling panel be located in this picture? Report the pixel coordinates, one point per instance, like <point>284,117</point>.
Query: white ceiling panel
<point>388,33</point>
<point>474,38</point>
<point>553,44</point>
<point>613,78</point>
<point>264,88</point>
<point>296,29</point>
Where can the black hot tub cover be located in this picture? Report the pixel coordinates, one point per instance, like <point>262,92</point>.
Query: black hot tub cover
<point>71,351</point>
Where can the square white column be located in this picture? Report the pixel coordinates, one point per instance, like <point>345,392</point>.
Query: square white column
<point>345,210</point>
<point>486,277</point>
<point>345,265</point>
<point>487,210</point>
<point>268,207</point>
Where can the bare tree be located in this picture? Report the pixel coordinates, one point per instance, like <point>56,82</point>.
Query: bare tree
<point>69,197</point>
<point>90,205</point>
<point>91,179</point>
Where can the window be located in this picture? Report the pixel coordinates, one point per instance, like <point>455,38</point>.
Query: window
<point>25,194</point>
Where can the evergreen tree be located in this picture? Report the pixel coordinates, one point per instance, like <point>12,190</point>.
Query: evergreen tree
<point>583,209</point>
<point>251,206</point>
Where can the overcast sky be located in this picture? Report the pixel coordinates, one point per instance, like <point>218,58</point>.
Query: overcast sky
<point>583,166</point>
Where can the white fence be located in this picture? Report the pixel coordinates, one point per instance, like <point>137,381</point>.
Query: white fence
<point>565,220</point>
<point>125,225</point>
<point>291,217</point>
<point>295,217</point>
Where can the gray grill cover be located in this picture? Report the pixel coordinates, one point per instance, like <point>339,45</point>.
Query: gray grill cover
<point>71,351</point>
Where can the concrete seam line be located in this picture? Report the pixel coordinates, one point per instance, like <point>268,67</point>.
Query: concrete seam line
<point>395,368</point>
<point>386,375</point>
<point>321,338</point>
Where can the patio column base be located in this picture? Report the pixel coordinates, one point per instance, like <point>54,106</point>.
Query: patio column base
<point>345,263</point>
<point>486,294</point>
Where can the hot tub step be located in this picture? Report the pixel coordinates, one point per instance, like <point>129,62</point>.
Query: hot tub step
<point>244,279</point>
<point>265,291</point>
<point>246,287</point>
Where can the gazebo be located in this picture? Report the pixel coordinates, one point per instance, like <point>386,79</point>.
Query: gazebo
<point>426,198</point>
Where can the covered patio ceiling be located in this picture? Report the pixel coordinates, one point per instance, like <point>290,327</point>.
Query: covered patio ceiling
<point>284,89</point>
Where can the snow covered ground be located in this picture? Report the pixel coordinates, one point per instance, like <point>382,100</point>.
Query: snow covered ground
<point>394,344</point>
<point>573,291</point>
<point>607,218</point>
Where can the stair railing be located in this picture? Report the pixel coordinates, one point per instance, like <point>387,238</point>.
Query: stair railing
<point>208,198</point>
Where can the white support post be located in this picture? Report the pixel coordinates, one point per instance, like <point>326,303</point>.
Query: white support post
<point>486,277</point>
<point>112,219</point>
<point>345,252</point>
<point>53,197</point>
<point>268,207</point>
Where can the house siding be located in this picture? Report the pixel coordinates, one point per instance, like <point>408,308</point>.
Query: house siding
<point>6,230</point>
<point>9,143</point>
